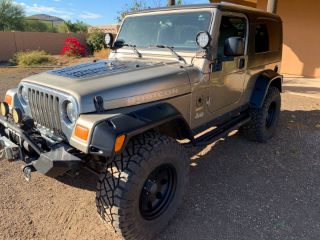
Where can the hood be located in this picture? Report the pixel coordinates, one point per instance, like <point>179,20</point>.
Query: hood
<point>120,83</point>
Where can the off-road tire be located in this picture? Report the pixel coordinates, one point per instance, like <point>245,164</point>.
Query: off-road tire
<point>119,188</point>
<point>259,128</point>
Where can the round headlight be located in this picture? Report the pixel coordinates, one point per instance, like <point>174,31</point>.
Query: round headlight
<point>203,39</point>
<point>24,95</point>
<point>71,112</point>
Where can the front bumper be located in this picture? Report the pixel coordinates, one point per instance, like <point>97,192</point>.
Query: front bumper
<point>55,162</point>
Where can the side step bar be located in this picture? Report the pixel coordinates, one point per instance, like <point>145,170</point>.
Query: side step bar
<point>220,132</point>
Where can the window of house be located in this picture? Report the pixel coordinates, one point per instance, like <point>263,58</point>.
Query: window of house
<point>267,37</point>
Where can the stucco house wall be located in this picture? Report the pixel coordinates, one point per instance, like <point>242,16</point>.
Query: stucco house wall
<point>301,34</point>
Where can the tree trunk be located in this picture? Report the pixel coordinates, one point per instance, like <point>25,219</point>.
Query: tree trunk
<point>171,2</point>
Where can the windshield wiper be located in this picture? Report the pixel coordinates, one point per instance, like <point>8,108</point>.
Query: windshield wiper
<point>134,48</point>
<point>174,53</point>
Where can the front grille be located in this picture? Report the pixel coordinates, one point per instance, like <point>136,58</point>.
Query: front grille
<point>45,110</point>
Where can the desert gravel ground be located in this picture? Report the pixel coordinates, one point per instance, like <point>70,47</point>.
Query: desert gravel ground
<point>238,189</point>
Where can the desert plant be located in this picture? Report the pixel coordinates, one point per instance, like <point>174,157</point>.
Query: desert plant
<point>35,26</point>
<point>96,41</point>
<point>11,16</point>
<point>81,27</point>
<point>76,27</point>
<point>62,28</point>
<point>72,48</point>
<point>32,58</point>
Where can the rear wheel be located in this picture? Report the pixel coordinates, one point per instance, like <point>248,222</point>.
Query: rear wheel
<point>264,120</point>
<point>141,190</point>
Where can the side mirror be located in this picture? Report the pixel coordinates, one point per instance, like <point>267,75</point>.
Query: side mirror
<point>234,46</point>
<point>118,44</point>
<point>108,39</point>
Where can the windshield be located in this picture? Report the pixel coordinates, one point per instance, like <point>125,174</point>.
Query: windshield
<point>178,30</point>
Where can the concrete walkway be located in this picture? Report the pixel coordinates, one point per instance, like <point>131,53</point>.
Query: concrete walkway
<point>307,87</point>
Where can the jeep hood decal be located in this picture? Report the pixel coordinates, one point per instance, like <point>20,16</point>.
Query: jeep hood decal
<point>99,68</point>
<point>119,83</point>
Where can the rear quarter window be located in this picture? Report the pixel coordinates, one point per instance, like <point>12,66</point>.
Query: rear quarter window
<point>268,37</point>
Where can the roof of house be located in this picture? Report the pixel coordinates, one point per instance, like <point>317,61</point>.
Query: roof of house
<point>111,28</point>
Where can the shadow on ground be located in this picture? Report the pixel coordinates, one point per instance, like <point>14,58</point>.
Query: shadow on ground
<point>245,190</point>
<point>299,89</point>
<point>85,180</point>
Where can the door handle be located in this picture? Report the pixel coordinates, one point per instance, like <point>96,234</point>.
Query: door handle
<point>242,63</point>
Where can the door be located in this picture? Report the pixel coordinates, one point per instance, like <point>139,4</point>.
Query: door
<point>227,74</point>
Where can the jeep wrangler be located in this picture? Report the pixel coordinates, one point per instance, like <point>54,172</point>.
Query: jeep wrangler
<point>192,73</point>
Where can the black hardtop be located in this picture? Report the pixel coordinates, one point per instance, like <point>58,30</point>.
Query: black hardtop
<point>254,12</point>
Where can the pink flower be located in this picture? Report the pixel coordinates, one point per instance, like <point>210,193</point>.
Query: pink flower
<point>73,48</point>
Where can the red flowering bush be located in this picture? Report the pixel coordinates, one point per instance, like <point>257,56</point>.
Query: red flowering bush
<point>72,48</point>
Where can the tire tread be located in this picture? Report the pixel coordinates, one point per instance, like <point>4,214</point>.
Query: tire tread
<point>255,129</point>
<point>119,178</point>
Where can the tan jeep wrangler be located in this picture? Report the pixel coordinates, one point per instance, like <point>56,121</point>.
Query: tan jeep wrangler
<point>173,73</point>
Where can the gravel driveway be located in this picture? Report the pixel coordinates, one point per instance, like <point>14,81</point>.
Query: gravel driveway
<point>238,189</point>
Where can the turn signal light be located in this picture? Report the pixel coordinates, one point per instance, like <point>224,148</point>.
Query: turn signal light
<point>119,143</point>
<point>8,99</point>
<point>81,132</point>
<point>4,109</point>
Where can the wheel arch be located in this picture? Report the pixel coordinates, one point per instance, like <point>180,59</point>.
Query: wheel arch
<point>264,80</point>
<point>175,128</point>
<point>162,117</point>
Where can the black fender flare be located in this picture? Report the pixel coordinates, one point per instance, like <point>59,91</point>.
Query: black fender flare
<point>134,123</point>
<point>263,81</point>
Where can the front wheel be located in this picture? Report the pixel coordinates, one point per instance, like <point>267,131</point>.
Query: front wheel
<point>264,120</point>
<point>141,190</point>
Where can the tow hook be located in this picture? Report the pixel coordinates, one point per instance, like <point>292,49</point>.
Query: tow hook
<point>27,170</point>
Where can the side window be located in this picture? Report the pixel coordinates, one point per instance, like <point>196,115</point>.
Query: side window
<point>231,27</point>
<point>267,38</point>
<point>262,38</point>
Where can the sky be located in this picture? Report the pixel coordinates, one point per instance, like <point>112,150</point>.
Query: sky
<point>93,12</point>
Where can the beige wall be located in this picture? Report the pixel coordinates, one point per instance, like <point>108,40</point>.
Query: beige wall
<point>12,42</point>
<point>301,33</point>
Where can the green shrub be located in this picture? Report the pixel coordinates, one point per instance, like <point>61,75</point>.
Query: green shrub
<point>95,41</point>
<point>32,58</point>
<point>63,28</point>
<point>35,26</point>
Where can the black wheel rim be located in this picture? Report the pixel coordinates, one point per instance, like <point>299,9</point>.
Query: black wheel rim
<point>158,192</point>
<point>271,115</point>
